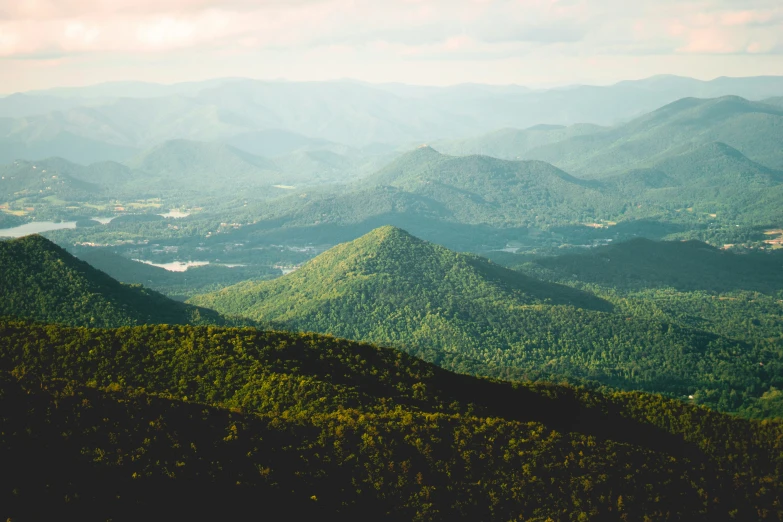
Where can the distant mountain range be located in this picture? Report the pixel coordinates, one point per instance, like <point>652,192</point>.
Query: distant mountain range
<point>112,121</point>
<point>184,166</point>
<point>455,198</point>
<point>590,151</point>
<point>687,162</point>
<point>579,377</point>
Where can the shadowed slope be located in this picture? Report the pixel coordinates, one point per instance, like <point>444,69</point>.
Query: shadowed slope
<point>43,282</point>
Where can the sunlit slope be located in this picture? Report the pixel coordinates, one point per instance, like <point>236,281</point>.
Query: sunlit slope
<point>473,316</point>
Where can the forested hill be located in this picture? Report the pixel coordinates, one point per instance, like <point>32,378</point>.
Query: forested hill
<point>753,128</point>
<point>54,175</point>
<point>389,269</point>
<point>480,203</point>
<point>206,165</point>
<point>43,282</point>
<point>165,422</point>
<point>515,143</point>
<point>425,189</point>
<point>473,316</point>
<point>425,166</point>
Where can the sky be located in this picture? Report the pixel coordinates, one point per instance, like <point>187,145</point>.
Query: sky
<point>537,43</point>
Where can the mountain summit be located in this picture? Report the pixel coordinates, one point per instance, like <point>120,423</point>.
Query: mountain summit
<point>390,287</point>
<point>389,273</point>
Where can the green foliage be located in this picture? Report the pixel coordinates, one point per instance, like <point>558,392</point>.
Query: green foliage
<point>472,316</point>
<point>483,200</point>
<point>178,164</point>
<point>684,265</point>
<point>41,281</point>
<point>119,423</point>
<point>468,190</point>
<point>753,128</point>
<point>515,143</point>
<point>52,176</point>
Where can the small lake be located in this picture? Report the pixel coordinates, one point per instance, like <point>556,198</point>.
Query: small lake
<point>35,227</point>
<point>175,266</point>
<point>104,220</point>
<point>176,214</point>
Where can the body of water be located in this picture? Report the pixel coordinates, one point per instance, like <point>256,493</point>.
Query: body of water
<point>175,266</point>
<point>103,220</point>
<point>35,227</point>
<point>176,214</point>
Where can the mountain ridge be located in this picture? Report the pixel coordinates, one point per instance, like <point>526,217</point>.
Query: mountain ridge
<point>43,282</point>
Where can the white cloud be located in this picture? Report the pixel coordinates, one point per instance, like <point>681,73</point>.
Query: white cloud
<point>350,34</point>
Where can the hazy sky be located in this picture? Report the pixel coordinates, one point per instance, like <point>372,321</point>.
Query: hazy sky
<point>46,43</point>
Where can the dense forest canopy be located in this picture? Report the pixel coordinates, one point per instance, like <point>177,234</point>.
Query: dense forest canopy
<point>361,431</point>
<point>584,320</point>
<point>474,316</point>
<point>41,281</point>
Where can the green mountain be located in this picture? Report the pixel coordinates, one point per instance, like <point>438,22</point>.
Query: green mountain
<point>753,128</point>
<point>712,178</point>
<point>777,101</point>
<point>684,265</point>
<point>717,165</point>
<point>513,144</point>
<point>161,422</point>
<point>473,190</point>
<point>399,267</point>
<point>62,144</point>
<point>43,282</point>
<point>470,315</point>
<point>52,177</point>
<point>201,166</point>
<point>320,166</point>
<point>277,142</point>
<point>479,203</point>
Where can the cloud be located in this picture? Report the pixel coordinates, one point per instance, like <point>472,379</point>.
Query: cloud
<point>718,31</point>
<point>146,25</point>
<point>347,35</point>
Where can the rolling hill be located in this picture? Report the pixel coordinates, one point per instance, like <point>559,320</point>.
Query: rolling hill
<point>514,144</point>
<point>202,166</point>
<point>753,128</point>
<point>713,179</point>
<point>392,263</point>
<point>479,203</point>
<point>111,121</point>
<point>777,101</point>
<point>473,316</point>
<point>52,177</point>
<point>64,144</point>
<point>473,190</point>
<point>161,421</point>
<point>43,282</point>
